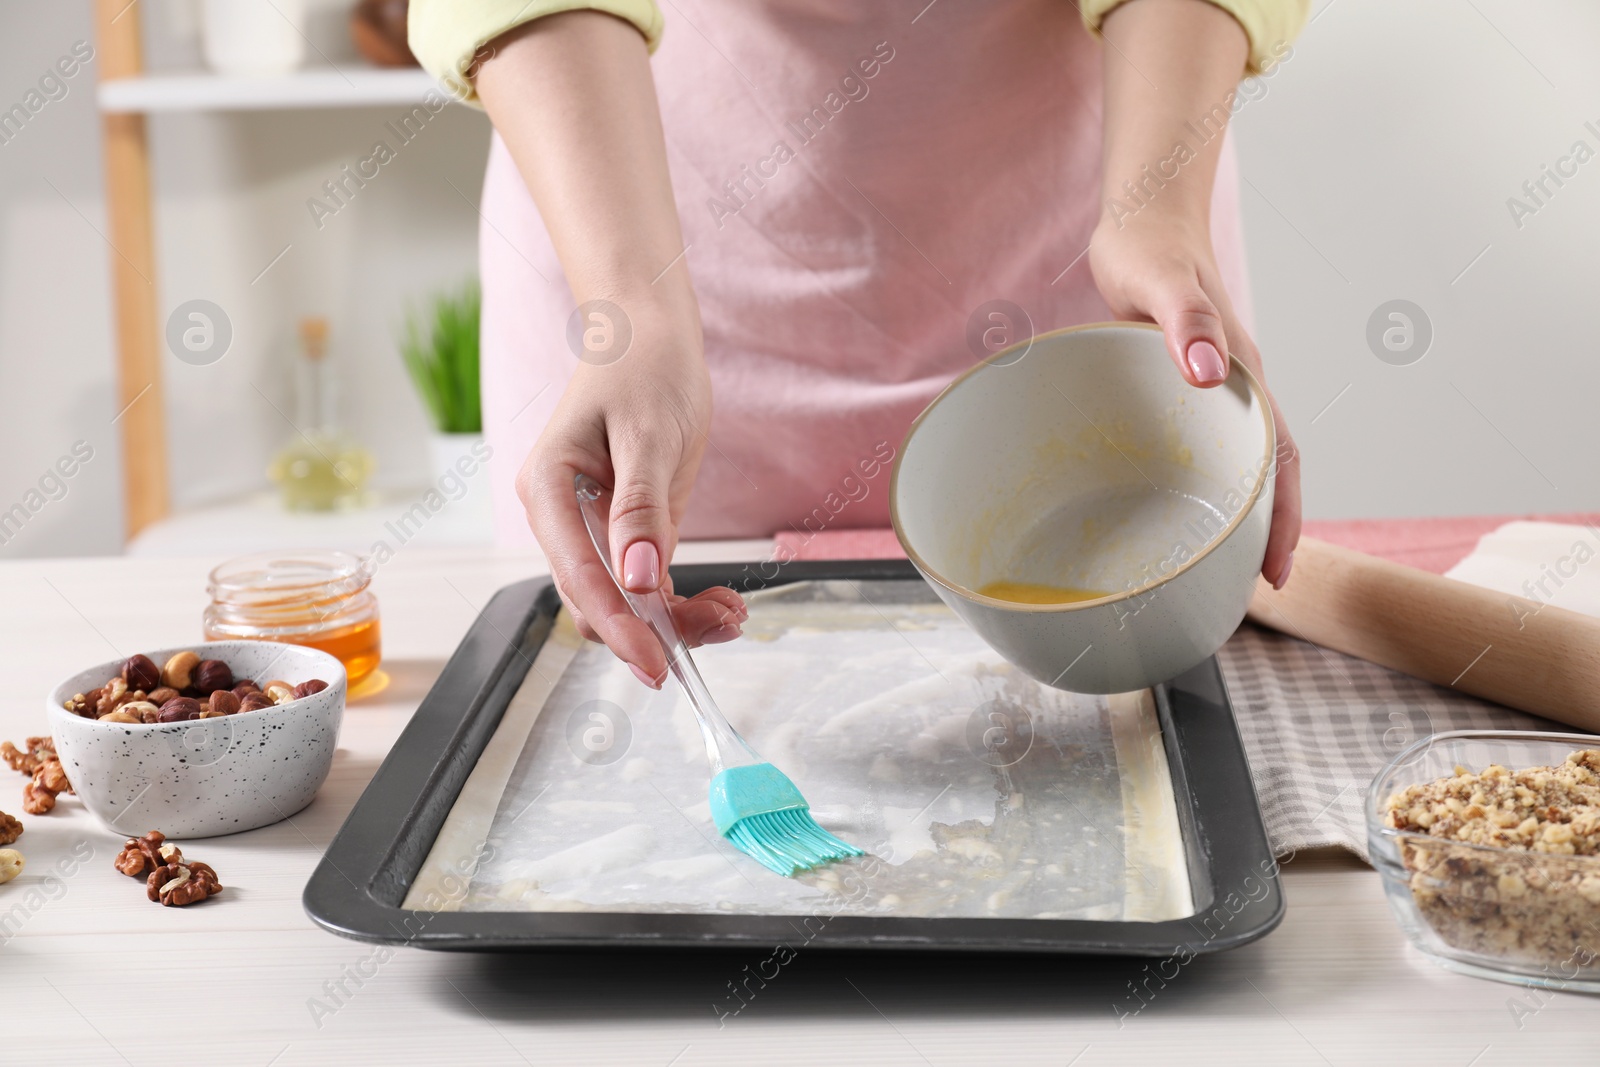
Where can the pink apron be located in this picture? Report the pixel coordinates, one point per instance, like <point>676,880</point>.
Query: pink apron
<point>855,182</point>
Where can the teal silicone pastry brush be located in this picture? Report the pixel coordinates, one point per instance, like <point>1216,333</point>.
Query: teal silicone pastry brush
<point>754,805</point>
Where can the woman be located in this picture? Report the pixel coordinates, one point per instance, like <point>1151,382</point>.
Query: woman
<point>850,186</point>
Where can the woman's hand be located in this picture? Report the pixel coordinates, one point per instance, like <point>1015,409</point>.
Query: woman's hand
<point>638,426</point>
<point>1155,263</point>
<point>1161,270</point>
<point>593,157</point>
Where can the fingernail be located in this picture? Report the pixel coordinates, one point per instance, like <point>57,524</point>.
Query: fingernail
<point>1283,575</point>
<point>719,634</point>
<point>1206,362</point>
<point>641,567</point>
<point>643,677</point>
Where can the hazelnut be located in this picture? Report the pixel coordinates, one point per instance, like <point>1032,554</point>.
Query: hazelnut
<point>279,693</point>
<point>179,709</point>
<point>179,670</point>
<point>160,696</point>
<point>308,687</point>
<point>122,714</point>
<point>223,702</point>
<point>141,672</point>
<point>240,688</point>
<point>11,864</point>
<point>254,702</point>
<point>211,675</point>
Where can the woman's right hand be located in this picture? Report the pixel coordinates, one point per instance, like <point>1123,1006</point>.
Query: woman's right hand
<point>638,425</point>
<point>571,95</point>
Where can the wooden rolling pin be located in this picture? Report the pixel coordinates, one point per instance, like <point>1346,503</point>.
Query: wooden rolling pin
<point>1539,659</point>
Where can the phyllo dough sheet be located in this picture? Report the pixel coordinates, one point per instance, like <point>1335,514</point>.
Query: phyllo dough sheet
<point>977,791</point>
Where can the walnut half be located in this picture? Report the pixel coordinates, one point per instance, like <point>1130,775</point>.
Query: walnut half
<point>141,854</point>
<point>176,885</point>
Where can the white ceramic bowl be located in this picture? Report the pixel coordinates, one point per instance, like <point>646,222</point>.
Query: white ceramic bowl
<point>210,776</point>
<point>1083,459</point>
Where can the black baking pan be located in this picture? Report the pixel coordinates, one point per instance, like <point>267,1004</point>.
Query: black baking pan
<point>357,889</point>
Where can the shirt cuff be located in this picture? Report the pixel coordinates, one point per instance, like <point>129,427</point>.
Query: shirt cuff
<point>1271,25</point>
<point>450,37</point>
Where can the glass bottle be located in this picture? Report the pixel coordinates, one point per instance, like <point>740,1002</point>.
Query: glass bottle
<point>320,469</point>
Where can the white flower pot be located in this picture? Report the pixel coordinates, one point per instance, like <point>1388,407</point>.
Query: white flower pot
<point>460,473</point>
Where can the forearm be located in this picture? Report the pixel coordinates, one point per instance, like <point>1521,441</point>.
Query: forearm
<point>572,97</point>
<point>1170,69</point>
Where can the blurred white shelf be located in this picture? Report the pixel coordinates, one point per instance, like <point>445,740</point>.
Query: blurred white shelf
<point>258,523</point>
<point>318,88</point>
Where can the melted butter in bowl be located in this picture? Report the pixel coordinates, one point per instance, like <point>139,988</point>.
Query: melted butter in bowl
<point>1034,593</point>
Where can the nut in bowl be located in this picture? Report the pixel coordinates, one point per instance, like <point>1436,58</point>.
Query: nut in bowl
<point>214,756</point>
<point>1092,516</point>
<point>1489,848</point>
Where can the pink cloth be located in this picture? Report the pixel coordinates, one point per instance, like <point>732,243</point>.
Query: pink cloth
<point>1432,544</point>
<point>835,290</point>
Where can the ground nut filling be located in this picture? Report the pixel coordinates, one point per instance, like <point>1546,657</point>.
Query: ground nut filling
<point>1538,902</point>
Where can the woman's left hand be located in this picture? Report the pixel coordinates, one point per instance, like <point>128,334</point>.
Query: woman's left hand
<point>1162,270</point>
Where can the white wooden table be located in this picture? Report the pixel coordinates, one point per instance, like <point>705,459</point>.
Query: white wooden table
<point>92,973</point>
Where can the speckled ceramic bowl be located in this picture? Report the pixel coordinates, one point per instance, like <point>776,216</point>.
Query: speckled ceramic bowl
<point>1082,459</point>
<point>211,776</point>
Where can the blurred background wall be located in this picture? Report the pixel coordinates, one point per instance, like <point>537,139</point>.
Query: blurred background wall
<point>1379,163</point>
<point>230,192</point>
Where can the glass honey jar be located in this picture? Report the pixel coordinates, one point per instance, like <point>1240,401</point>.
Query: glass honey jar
<point>316,599</point>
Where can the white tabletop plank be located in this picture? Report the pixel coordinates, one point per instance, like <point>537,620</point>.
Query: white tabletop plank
<point>95,974</point>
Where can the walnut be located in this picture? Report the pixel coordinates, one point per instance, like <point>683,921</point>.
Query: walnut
<point>141,854</point>
<point>111,695</point>
<point>84,703</point>
<point>37,801</point>
<point>141,672</point>
<point>17,759</point>
<point>38,751</point>
<point>179,670</point>
<point>52,776</point>
<point>10,828</point>
<point>39,795</point>
<point>178,884</point>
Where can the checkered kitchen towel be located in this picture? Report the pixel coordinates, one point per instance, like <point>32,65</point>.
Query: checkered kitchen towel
<point>1319,725</point>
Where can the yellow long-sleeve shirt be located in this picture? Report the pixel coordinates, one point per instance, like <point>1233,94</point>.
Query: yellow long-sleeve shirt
<point>450,37</point>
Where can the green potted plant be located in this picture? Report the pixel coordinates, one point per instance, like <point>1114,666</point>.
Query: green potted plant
<point>439,344</point>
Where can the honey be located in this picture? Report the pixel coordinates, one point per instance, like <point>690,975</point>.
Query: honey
<point>1032,593</point>
<point>316,599</point>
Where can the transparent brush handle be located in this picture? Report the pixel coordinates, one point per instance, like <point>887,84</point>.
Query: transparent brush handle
<point>724,746</point>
